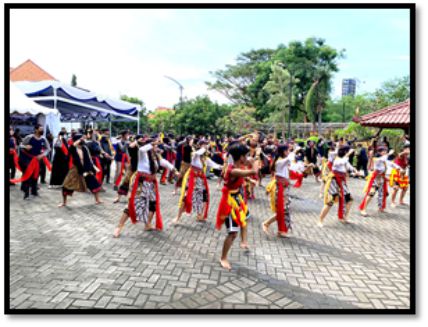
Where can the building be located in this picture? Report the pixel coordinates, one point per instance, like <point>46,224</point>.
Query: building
<point>29,71</point>
<point>158,110</point>
<point>349,86</point>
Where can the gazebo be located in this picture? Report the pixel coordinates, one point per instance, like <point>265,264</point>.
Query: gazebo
<point>394,116</point>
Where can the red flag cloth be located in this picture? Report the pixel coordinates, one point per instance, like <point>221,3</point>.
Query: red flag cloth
<point>280,213</point>
<point>370,185</point>
<point>15,158</point>
<point>340,179</point>
<point>131,203</point>
<point>122,168</point>
<point>294,175</point>
<point>99,174</point>
<point>47,163</point>
<point>32,170</point>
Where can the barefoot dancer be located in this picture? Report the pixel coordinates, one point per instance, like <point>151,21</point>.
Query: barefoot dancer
<point>377,181</point>
<point>195,192</point>
<point>399,179</point>
<point>144,200</point>
<point>279,191</point>
<point>336,188</point>
<point>82,173</point>
<point>232,210</point>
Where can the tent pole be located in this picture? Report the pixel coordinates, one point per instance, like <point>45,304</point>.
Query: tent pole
<point>138,123</point>
<point>109,125</point>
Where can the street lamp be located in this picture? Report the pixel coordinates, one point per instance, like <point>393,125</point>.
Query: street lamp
<point>181,87</point>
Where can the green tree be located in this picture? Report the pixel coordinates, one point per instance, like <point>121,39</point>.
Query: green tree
<point>240,120</point>
<point>278,88</point>
<point>162,121</point>
<point>200,115</point>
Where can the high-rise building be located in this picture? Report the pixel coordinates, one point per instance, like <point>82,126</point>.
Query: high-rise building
<point>349,86</point>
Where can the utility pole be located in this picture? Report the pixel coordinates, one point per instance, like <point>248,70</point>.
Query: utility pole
<point>181,88</point>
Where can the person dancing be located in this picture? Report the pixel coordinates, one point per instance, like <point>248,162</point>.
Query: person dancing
<point>399,179</point>
<point>232,210</point>
<point>144,200</point>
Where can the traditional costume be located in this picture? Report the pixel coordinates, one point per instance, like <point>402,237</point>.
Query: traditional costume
<point>29,164</point>
<point>60,163</point>
<point>122,161</point>
<point>186,158</point>
<point>107,148</point>
<point>130,170</point>
<point>13,158</point>
<point>399,177</point>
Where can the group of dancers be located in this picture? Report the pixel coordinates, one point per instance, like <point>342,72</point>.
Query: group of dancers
<point>82,163</point>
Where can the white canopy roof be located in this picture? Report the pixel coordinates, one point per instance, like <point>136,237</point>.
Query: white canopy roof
<point>21,104</point>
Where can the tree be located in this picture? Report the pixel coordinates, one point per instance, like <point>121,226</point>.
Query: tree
<point>392,91</point>
<point>278,88</point>
<point>162,121</point>
<point>199,115</point>
<point>240,120</point>
<point>73,80</point>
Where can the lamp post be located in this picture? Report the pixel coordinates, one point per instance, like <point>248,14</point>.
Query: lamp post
<point>181,88</point>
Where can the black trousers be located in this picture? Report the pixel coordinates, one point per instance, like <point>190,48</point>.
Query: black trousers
<point>42,173</point>
<point>12,169</point>
<point>30,183</point>
<point>106,163</point>
<point>362,164</point>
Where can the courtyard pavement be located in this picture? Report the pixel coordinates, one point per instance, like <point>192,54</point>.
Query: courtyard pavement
<point>66,258</point>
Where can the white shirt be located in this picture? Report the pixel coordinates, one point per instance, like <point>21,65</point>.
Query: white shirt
<point>298,167</point>
<point>196,159</point>
<point>341,165</point>
<point>292,157</point>
<point>211,164</point>
<point>281,167</point>
<point>331,155</point>
<point>144,163</point>
<point>380,163</point>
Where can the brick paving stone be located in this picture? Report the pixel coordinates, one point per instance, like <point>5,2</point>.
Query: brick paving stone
<point>67,257</point>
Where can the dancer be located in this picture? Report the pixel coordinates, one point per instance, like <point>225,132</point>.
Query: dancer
<point>94,147</point>
<point>399,179</point>
<point>34,148</point>
<point>377,181</point>
<point>327,165</point>
<point>279,194</point>
<point>107,153</point>
<point>121,158</point>
<point>195,193</point>
<point>232,210</point>
<point>336,188</point>
<point>311,159</point>
<point>13,156</point>
<point>60,162</point>
<point>144,200</point>
<point>81,175</point>
<point>186,157</point>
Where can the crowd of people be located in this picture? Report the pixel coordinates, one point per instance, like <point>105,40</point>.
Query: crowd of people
<point>81,162</point>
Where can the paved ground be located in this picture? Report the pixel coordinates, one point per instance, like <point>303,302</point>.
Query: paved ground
<point>67,258</point>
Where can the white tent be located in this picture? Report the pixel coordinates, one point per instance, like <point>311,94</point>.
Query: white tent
<point>20,104</point>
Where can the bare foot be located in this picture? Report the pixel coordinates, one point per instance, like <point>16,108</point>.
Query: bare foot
<point>320,224</point>
<point>282,234</point>
<point>175,221</point>
<point>225,264</point>
<point>364,213</point>
<point>244,245</point>
<point>344,221</point>
<point>61,205</point>
<point>116,201</point>
<point>266,229</point>
<point>149,228</point>
<point>99,202</point>
<point>117,231</point>
<point>404,204</point>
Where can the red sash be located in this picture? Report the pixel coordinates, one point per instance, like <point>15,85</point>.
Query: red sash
<point>122,168</point>
<point>330,165</point>
<point>195,173</point>
<point>15,158</point>
<point>32,170</point>
<point>294,175</point>
<point>340,179</point>
<point>99,174</point>
<point>65,151</point>
<point>370,185</point>
<point>47,163</point>
<point>280,213</point>
<point>131,203</point>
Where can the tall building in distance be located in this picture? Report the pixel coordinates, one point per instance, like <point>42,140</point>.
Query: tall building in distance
<point>349,86</point>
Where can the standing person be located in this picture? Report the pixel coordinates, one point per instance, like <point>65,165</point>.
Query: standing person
<point>94,148</point>
<point>399,179</point>
<point>362,159</point>
<point>279,194</point>
<point>168,155</point>
<point>46,164</point>
<point>144,200</point>
<point>195,193</point>
<point>336,188</point>
<point>107,153</point>
<point>121,158</point>
<point>34,148</point>
<point>13,156</point>
<point>327,165</point>
<point>232,210</point>
<point>81,175</point>
<point>311,157</point>
<point>186,158</point>
<point>60,162</point>
<point>377,181</point>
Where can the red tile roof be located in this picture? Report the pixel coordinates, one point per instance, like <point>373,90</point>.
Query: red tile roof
<point>29,71</point>
<point>395,116</point>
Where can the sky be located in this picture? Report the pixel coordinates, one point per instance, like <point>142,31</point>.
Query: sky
<point>117,51</point>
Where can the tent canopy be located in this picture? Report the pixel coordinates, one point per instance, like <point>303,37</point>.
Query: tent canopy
<point>76,104</point>
<point>22,105</point>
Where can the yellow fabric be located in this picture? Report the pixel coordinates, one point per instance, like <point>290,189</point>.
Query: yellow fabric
<point>236,207</point>
<point>327,197</point>
<point>183,188</point>
<point>366,186</point>
<point>396,178</point>
<point>271,190</point>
